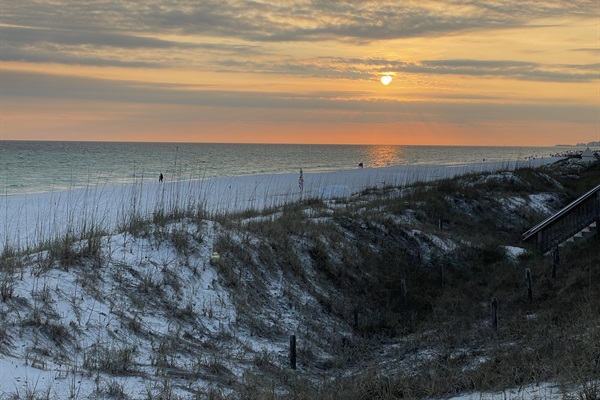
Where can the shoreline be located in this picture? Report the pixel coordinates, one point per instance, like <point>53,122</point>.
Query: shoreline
<point>51,167</point>
<point>32,219</point>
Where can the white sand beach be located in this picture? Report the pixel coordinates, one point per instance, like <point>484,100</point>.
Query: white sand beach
<point>29,220</point>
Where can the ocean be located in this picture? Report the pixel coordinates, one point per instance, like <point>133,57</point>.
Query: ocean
<point>41,166</point>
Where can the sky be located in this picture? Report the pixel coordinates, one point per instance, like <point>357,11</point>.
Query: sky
<point>464,72</point>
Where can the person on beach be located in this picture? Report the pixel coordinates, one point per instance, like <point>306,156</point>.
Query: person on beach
<point>160,177</point>
<point>301,181</point>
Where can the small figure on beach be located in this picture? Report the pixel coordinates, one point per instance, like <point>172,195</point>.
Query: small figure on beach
<point>160,177</point>
<point>360,165</point>
<point>301,181</point>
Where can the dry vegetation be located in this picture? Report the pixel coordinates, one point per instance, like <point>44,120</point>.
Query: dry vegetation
<point>388,294</point>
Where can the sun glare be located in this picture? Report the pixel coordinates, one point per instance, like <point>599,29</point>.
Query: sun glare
<point>386,79</point>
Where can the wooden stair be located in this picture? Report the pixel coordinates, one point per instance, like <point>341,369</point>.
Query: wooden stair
<point>575,223</point>
<point>582,235</point>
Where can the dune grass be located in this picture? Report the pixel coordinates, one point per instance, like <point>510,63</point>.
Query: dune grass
<point>386,302</point>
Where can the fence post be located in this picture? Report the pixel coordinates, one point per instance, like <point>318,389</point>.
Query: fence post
<point>494,313</point>
<point>293,351</point>
<point>529,287</point>
<point>597,212</point>
<point>555,260</point>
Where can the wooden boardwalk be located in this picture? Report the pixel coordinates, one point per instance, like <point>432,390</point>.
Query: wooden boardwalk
<point>577,221</point>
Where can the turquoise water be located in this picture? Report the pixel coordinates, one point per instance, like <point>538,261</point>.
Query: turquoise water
<point>37,166</point>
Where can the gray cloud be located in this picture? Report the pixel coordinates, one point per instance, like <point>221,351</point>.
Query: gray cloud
<point>25,84</point>
<point>110,32</point>
<point>510,69</point>
<point>362,20</point>
<point>357,68</point>
<point>47,55</point>
<point>358,20</point>
<point>285,105</point>
<point>23,36</point>
<point>592,51</point>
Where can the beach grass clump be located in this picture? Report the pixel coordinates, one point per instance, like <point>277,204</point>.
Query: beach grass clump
<point>11,266</point>
<point>10,260</point>
<point>114,390</point>
<point>7,287</point>
<point>113,360</point>
<point>136,225</point>
<point>68,251</point>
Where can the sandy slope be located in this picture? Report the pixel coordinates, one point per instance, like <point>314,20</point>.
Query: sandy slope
<point>149,300</point>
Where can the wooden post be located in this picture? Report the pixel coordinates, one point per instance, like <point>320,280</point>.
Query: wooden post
<point>597,213</point>
<point>528,283</point>
<point>440,224</point>
<point>555,261</point>
<point>293,351</point>
<point>494,313</point>
<point>403,291</point>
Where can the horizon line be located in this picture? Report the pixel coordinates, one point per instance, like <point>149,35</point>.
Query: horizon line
<point>297,143</point>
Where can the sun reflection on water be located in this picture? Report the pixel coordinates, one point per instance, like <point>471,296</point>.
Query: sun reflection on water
<point>384,156</point>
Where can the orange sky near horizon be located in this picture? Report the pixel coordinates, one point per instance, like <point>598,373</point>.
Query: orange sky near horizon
<point>302,72</point>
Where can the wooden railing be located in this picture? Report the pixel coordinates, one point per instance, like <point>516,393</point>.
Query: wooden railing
<point>569,221</point>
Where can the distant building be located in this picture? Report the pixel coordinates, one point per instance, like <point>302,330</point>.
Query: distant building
<point>588,144</point>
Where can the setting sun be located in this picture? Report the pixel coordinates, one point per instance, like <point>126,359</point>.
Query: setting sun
<point>386,80</point>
